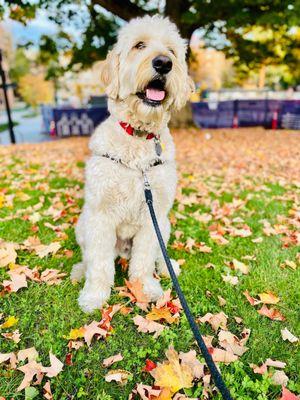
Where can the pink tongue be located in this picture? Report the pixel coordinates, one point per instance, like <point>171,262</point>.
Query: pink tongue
<point>155,94</point>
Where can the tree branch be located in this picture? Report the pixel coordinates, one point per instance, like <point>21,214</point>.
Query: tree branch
<point>124,9</point>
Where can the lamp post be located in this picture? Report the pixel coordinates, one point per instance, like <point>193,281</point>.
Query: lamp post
<point>4,87</point>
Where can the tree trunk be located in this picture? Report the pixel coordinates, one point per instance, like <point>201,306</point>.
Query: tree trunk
<point>262,77</point>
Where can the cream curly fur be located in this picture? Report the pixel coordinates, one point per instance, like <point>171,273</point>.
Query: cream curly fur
<point>115,219</point>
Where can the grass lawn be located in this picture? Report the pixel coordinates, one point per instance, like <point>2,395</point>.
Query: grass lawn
<point>234,186</point>
<point>4,127</point>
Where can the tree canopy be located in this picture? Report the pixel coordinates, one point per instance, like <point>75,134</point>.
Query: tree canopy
<point>252,32</point>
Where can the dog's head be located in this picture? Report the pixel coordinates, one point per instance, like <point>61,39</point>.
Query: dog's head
<point>146,70</point>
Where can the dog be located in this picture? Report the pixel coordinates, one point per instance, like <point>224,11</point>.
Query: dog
<point>146,77</point>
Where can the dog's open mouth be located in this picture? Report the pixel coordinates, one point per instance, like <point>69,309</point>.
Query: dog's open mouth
<point>154,93</point>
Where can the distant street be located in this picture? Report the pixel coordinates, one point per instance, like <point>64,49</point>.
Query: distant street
<point>28,131</point>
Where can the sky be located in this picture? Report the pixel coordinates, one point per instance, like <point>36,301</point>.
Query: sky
<point>31,32</point>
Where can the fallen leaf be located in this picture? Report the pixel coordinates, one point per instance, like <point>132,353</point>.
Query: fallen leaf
<point>271,313</point>
<point>146,326</point>
<point>222,301</point>
<point>158,314</point>
<point>239,266</point>
<point>224,356</point>
<point>30,354</point>
<point>274,363</point>
<point>233,280</point>
<point>279,378</point>
<point>190,359</point>
<point>107,362</point>
<point>171,374</point>
<point>14,336</point>
<point>11,357</point>
<point>52,276</point>
<point>8,254</point>
<point>216,321</point>
<point>47,394</point>
<point>44,250</point>
<point>287,395</point>
<point>9,322</point>
<point>30,370</point>
<point>287,335</point>
<point>91,330</point>
<point>149,366</point>
<point>268,298</point>
<point>55,367</point>
<point>251,299</point>
<point>17,282</point>
<point>118,375</point>
<point>76,333</point>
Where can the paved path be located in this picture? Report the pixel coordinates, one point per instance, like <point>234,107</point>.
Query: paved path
<point>28,131</point>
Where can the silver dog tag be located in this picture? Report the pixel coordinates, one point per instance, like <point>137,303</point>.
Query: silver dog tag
<point>158,148</point>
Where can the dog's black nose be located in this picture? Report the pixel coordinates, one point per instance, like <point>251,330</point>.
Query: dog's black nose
<point>162,64</point>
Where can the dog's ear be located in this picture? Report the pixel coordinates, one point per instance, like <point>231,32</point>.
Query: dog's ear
<point>188,89</point>
<point>109,74</point>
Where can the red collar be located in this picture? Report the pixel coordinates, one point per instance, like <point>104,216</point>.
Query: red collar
<point>130,130</point>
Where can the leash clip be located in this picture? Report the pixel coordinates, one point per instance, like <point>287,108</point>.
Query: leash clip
<point>146,181</point>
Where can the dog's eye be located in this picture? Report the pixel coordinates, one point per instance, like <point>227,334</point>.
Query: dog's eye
<point>172,51</point>
<point>140,45</point>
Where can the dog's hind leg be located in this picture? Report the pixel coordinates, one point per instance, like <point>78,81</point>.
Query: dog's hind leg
<point>78,270</point>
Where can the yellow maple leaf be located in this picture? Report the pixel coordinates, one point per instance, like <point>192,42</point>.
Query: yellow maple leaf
<point>156,314</point>
<point>76,333</point>
<point>171,374</point>
<point>9,322</point>
<point>268,298</point>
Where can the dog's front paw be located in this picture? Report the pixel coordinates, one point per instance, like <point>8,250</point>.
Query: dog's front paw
<point>152,288</point>
<point>90,301</point>
<point>163,270</point>
<point>77,272</point>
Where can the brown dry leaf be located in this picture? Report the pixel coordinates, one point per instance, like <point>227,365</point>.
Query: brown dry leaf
<point>239,266</point>
<point>146,392</point>
<point>289,264</point>
<point>146,326</point>
<point>233,280</point>
<point>287,335</point>
<point>107,362</point>
<point>17,282</point>
<point>91,330</point>
<point>224,356</point>
<point>30,354</point>
<point>8,254</point>
<point>218,238</point>
<point>268,298</point>
<point>171,374</point>
<point>190,359</point>
<point>257,240</point>
<point>251,299</point>
<point>75,344</point>
<point>44,250</point>
<point>14,336</point>
<point>231,343</point>
<point>30,370</point>
<point>47,394</point>
<point>274,363</point>
<point>56,366</point>
<point>279,378</point>
<point>216,321</point>
<point>136,289</point>
<point>52,276</point>
<point>222,301</point>
<point>271,313</point>
<point>118,375</point>
<point>158,314</point>
<point>11,357</point>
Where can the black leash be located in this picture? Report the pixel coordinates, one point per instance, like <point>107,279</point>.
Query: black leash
<point>217,377</point>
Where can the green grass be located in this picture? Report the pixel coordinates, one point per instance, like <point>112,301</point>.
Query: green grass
<point>4,127</point>
<point>47,313</point>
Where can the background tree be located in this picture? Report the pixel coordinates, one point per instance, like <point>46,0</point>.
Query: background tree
<point>35,90</point>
